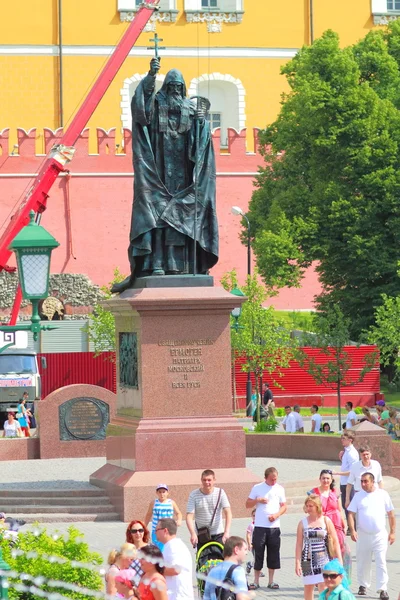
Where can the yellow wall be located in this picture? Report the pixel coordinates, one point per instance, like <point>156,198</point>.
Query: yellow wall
<point>29,85</point>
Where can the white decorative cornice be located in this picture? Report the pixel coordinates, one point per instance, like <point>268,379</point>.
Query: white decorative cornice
<point>214,20</point>
<point>160,16</point>
<point>385,19</point>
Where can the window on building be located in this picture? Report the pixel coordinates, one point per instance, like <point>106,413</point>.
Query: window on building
<point>224,110</point>
<point>221,5</point>
<point>393,4</point>
<point>214,119</point>
<point>128,5</point>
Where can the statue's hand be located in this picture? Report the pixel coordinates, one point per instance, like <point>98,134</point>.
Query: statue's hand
<point>154,66</point>
<point>200,114</point>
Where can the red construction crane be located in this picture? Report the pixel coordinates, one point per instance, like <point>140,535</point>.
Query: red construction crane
<point>62,153</point>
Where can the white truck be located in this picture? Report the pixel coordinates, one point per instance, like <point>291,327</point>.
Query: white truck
<point>19,373</point>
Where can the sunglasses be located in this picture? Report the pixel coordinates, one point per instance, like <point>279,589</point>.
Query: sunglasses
<point>326,471</point>
<point>141,530</point>
<point>330,575</point>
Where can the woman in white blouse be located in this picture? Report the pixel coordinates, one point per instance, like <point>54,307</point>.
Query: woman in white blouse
<point>12,428</point>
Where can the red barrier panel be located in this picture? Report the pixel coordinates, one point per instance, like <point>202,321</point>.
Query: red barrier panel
<point>78,367</point>
<point>299,387</point>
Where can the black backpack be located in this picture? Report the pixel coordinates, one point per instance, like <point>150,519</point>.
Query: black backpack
<point>222,593</point>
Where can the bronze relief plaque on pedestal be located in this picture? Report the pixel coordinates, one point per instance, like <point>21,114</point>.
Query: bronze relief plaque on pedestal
<point>83,419</point>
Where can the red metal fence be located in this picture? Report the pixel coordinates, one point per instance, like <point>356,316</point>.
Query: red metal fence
<point>78,367</point>
<point>297,386</point>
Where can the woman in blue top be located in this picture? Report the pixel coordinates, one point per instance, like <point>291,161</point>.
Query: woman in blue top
<point>336,581</point>
<point>22,416</point>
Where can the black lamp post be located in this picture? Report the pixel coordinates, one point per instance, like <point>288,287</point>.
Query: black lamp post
<point>236,210</point>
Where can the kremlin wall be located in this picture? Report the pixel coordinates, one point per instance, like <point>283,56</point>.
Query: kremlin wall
<point>89,208</point>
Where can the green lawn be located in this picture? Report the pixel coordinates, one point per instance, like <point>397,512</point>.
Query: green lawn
<point>392,398</point>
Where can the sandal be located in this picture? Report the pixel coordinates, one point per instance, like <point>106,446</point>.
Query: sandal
<point>254,586</point>
<point>273,586</point>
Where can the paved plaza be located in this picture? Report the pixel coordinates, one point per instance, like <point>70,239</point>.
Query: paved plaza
<point>101,537</point>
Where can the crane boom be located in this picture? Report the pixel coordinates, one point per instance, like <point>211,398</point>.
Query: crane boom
<point>36,197</point>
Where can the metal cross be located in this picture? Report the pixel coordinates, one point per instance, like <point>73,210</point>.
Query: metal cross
<point>156,48</point>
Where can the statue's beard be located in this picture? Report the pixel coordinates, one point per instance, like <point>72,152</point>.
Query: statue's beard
<point>175,102</point>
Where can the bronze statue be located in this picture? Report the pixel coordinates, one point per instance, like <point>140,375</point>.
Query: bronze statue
<point>169,134</point>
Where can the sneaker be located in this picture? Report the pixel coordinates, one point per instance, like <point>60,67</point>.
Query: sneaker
<point>248,567</point>
<point>384,595</point>
<point>362,591</point>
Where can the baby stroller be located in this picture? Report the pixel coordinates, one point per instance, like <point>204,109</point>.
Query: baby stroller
<point>208,556</point>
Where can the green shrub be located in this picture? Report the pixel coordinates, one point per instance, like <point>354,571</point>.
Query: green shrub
<point>358,410</point>
<point>280,412</point>
<point>266,425</point>
<point>68,546</point>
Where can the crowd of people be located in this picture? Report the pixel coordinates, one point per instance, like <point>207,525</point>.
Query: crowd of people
<point>155,564</point>
<point>386,417</point>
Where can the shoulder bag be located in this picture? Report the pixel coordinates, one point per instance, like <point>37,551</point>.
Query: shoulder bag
<point>204,533</point>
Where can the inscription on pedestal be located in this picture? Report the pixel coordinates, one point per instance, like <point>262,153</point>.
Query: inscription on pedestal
<point>187,361</point>
<point>83,419</point>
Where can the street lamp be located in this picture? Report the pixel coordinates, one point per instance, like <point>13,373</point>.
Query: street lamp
<point>236,210</point>
<point>236,312</point>
<point>33,246</point>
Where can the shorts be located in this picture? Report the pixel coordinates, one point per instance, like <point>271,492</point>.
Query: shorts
<point>267,538</point>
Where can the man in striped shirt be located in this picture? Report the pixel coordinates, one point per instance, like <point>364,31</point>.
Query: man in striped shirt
<point>205,502</point>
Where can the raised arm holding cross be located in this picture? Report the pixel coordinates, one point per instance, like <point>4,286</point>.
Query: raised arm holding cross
<point>155,62</point>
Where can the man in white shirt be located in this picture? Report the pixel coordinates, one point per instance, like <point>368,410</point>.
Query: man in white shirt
<point>208,506</point>
<point>178,562</point>
<point>348,456</point>
<point>289,422</point>
<point>357,469</point>
<point>316,419</point>
<point>299,420</point>
<point>351,418</point>
<point>270,501</point>
<point>370,507</point>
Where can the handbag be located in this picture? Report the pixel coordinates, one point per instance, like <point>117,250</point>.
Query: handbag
<point>204,533</point>
<point>329,543</point>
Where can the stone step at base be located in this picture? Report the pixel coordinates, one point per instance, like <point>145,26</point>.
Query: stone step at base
<point>54,501</point>
<point>67,517</point>
<point>51,492</point>
<point>12,509</point>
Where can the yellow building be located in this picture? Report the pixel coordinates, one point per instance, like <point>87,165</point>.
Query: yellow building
<point>51,52</point>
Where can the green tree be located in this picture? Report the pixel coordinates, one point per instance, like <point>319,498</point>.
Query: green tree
<point>101,326</point>
<point>260,336</point>
<point>29,554</point>
<point>331,364</point>
<point>385,333</point>
<point>330,188</point>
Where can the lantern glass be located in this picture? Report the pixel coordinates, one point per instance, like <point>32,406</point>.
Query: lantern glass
<point>34,272</point>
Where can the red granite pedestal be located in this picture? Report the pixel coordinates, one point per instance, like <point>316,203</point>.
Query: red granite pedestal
<point>177,420</point>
